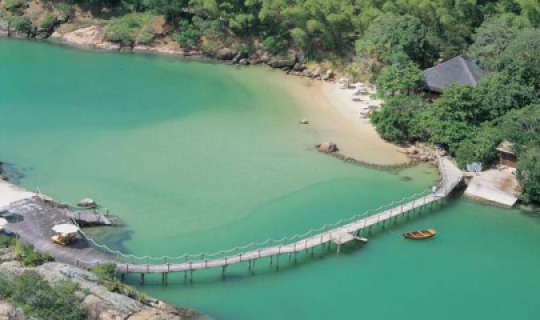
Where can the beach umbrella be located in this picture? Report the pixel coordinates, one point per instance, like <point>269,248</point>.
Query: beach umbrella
<point>65,228</point>
<point>3,223</point>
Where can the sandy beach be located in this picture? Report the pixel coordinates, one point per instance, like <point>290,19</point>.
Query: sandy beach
<point>334,116</point>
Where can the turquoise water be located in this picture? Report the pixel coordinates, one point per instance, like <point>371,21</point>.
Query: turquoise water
<point>202,157</point>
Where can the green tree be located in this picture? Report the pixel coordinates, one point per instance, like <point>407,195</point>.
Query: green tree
<point>521,59</point>
<point>452,117</point>
<point>401,78</point>
<point>490,40</point>
<point>528,174</point>
<point>397,120</point>
<point>479,146</point>
<point>390,34</point>
<point>497,94</point>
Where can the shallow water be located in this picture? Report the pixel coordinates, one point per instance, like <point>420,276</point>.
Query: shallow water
<point>200,157</point>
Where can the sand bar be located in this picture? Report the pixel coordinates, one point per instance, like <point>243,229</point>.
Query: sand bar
<point>335,117</point>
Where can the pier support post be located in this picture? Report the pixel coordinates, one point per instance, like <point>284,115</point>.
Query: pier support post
<point>164,278</point>
<point>122,277</point>
<point>190,276</point>
<point>142,279</point>
<point>338,248</point>
<point>223,269</point>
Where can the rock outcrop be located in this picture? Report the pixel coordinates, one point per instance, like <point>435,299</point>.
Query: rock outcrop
<point>327,147</point>
<point>100,303</point>
<point>4,28</point>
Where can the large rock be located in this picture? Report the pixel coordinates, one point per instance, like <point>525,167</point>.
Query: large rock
<point>8,312</point>
<point>87,203</point>
<point>327,147</point>
<point>43,33</point>
<point>4,28</point>
<point>282,63</point>
<point>226,54</point>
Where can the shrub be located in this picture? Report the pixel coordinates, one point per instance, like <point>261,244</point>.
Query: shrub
<point>7,241</point>
<point>13,4</point>
<point>36,297</point>
<point>66,8</point>
<point>26,254</point>
<point>125,29</point>
<point>105,272</point>
<point>48,21</point>
<point>20,23</point>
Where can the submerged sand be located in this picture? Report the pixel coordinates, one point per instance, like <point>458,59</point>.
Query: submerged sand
<point>334,116</point>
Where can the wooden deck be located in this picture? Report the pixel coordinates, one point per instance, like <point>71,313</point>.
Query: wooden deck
<point>89,218</point>
<point>37,218</point>
<point>33,220</point>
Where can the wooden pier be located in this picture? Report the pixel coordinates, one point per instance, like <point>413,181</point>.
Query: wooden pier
<point>39,219</point>
<point>451,175</point>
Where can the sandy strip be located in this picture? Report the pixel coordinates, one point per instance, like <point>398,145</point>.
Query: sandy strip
<point>335,116</point>
<point>10,193</point>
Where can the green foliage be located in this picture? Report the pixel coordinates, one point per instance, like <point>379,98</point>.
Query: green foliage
<point>66,8</point>
<point>188,34</point>
<point>399,79</point>
<point>497,94</point>
<point>26,254</point>
<point>490,40</point>
<point>126,29</point>
<point>170,8</point>
<point>390,34</point>
<point>528,174</point>
<point>7,241</point>
<point>451,118</point>
<point>522,127</point>
<point>21,23</point>
<point>13,4</point>
<point>48,21</point>
<point>37,298</point>
<point>397,120</point>
<point>105,272</point>
<point>479,146</point>
<point>521,59</point>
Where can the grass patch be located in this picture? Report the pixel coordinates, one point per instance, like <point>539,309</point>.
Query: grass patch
<point>106,274</point>
<point>36,297</point>
<point>7,241</point>
<point>13,4</point>
<point>20,23</point>
<point>126,30</point>
<point>26,254</point>
<point>48,21</point>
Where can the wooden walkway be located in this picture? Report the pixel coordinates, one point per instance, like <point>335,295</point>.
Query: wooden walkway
<point>36,218</point>
<point>452,176</point>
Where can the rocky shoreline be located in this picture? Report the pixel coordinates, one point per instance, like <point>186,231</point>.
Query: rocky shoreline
<point>95,298</point>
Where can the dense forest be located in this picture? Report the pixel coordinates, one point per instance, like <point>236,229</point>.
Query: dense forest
<point>384,41</point>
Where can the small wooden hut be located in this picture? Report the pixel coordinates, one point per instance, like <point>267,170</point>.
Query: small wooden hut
<point>506,154</point>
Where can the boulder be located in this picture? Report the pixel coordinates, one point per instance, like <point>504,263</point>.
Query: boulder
<point>299,67</point>
<point>226,54</point>
<point>243,62</point>
<point>4,28</point>
<point>87,203</point>
<point>304,121</point>
<point>42,33</point>
<point>327,147</point>
<point>282,63</point>
<point>329,75</point>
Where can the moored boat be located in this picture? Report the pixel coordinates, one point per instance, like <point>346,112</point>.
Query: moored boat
<point>420,234</point>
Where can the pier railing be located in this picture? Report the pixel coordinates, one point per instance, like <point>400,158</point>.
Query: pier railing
<point>450,177</point>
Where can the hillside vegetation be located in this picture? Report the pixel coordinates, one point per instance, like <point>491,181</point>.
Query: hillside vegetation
<point>389,42</point>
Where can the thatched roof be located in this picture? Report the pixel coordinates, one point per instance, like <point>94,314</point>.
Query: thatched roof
<point>460,70</point>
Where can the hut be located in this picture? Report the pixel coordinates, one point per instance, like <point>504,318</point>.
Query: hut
<point>459,69</point>
<point>506,154</point>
